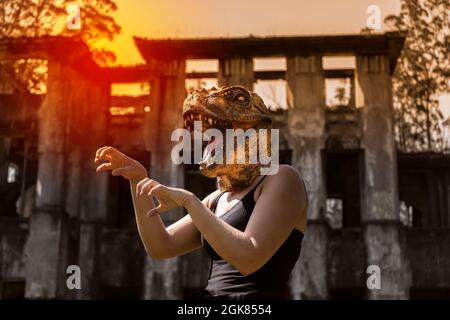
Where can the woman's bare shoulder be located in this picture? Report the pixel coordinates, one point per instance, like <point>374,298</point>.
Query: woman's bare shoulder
<point>286,174</point>
<point>287,179</point>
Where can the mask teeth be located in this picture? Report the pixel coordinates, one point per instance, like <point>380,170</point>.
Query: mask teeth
<point>199,117</point>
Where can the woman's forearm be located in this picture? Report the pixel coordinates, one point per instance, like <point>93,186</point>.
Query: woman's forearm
<point>230,243</point>
<point>152,231</point>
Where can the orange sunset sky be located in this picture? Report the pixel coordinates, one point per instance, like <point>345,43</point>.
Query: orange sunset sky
<point>213,18</point>
<point>228,18</point>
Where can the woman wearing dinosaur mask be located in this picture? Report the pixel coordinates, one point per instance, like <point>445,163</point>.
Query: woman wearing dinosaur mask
<point>252,226</point>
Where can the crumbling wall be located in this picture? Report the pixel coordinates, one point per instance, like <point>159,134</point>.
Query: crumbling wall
<point>13,235</point>
<point>347,259</point>
<point>428,252</point>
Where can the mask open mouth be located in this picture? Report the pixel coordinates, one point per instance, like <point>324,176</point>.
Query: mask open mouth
<point>209,152</point>
<point>213,150</point>
<point>210,148</point>
<point>207,121</point>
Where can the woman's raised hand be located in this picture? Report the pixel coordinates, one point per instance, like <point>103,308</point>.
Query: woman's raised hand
<point>168,198</point>
<point>111,159</point>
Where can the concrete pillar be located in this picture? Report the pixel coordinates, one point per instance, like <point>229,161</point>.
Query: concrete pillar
<point>380,215</point>
<point>4,150</point>
<point>236,71</point>
<point>93,200</point>
<point>163,277</point>
<point>45,249</point>
<point>306,123</point>
<point>75,186</point>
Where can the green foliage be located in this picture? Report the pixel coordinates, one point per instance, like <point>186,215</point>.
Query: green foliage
<point>421,74</point>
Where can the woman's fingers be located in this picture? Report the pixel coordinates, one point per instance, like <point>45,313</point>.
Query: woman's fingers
<point>149,186</point>
<point>141,185</point>
<point>155,211</point>
<point>145,186</point>
<point>106,153</point>
<point>98,154</point>
<point>154,190</point>
<point>103,154</point>
<point>119,171</point>
<point>104,167</point>
<point>99,150</point>
<point>167,199</point>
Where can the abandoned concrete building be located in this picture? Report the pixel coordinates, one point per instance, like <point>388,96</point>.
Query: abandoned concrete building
<point>369,203</point>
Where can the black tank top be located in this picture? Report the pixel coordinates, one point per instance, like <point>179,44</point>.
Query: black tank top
<point>268,282</point>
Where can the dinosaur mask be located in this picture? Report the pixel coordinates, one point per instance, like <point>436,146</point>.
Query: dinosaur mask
<point>228,108</point>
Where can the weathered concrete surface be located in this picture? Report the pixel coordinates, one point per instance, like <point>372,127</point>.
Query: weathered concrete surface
<point>72,121</point>
<point>43,250</point>
<point>93,198</point>
<point>374,96</point>
<point>195,270</point>
<point>45,247</point>
<point>167,96</point>
<point>309,279</point>
<point>347,259</point>
<point>121,259</point>
<point>428,252</point>
<point>343,128</point>
<point>236,71</point>
<point>13,236</point>
<point>279,121</point>
<point>163,277</point>
<point>53,119</point>
<point>306,123</point>
<point>384,247</point>
<point>4,146</point>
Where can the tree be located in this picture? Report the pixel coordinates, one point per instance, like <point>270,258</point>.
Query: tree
<point>35,18</point>
<point>421,73</point>
<point>341,96</point>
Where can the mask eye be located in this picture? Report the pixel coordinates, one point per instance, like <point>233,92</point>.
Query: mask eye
<point>241,98</point>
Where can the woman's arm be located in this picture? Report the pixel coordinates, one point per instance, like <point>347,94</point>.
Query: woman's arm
<point>160,242</point>
<point>179,238</point>
<point>279,208</point>
<point>152,231</point>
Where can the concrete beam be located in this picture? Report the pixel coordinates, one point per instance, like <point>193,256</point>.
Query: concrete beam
<point>45,47</point>
<point>275,74</point>
<point>390,43</point>
<point>236,71</point>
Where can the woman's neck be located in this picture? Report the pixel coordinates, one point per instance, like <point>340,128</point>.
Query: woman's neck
<point>236,192</point>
